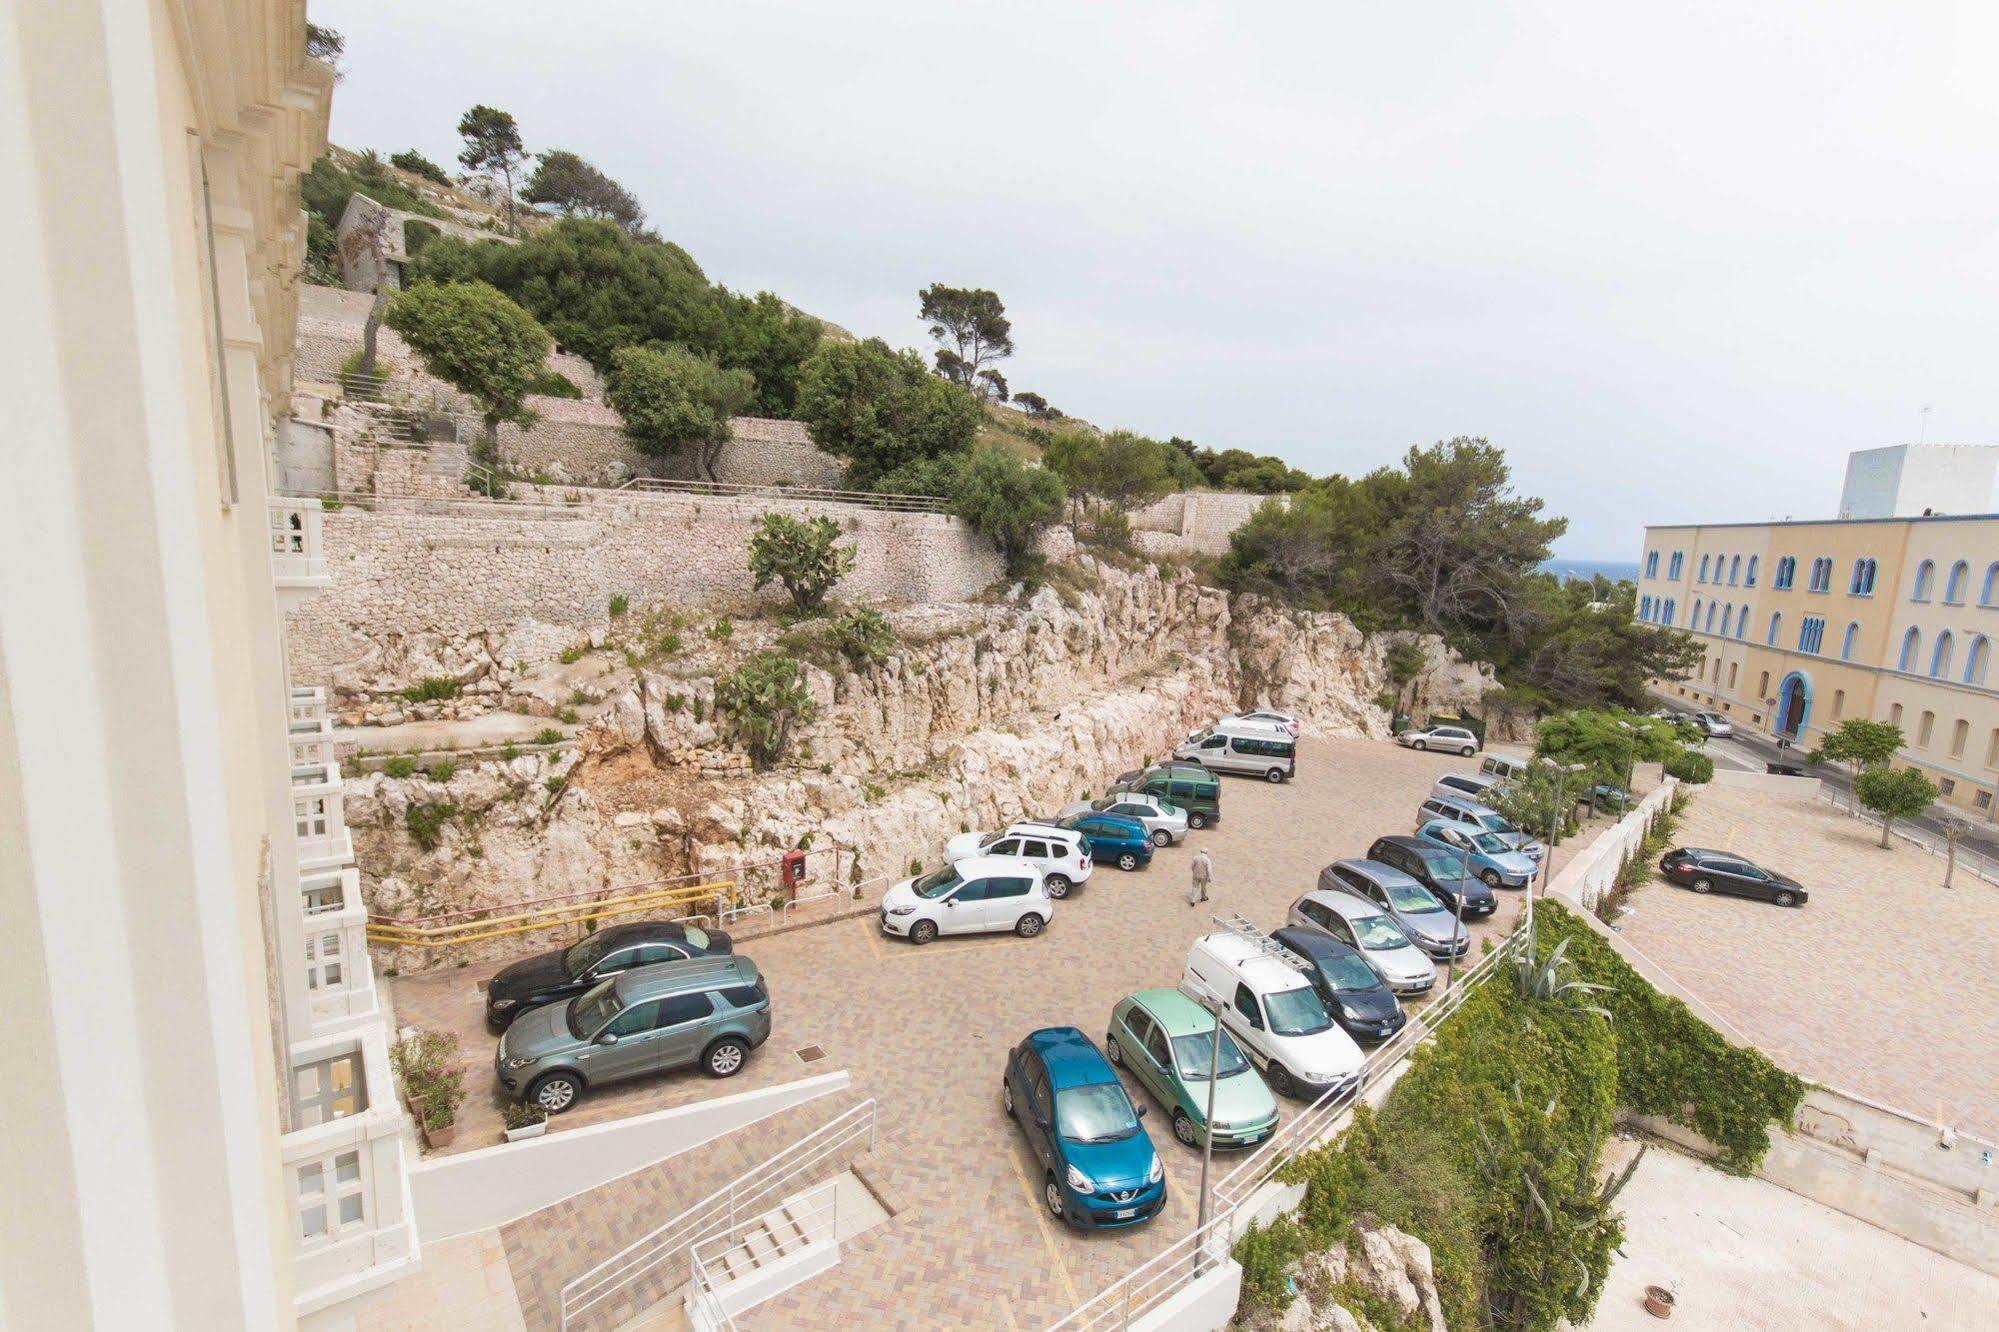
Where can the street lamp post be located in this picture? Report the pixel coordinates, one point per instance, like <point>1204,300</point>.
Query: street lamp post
<point>1464,886</point>
<point>1562,771</point>
<point>1208,1138</point>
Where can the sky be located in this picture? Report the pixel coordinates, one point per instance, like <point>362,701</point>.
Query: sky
<point>1677,261</point>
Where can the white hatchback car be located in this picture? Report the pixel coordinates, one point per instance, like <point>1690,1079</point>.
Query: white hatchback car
<point>1165,824</point>
<point>1454,738</point>
<point>1269,716</point>
<point>979,895</point>
<point>1061,855</point>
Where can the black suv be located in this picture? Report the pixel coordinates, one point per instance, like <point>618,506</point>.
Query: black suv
<point>1365,1008</point>
<point>1437,868</point>
<point>568,972</point>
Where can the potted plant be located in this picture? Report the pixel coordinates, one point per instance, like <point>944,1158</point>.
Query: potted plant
<point>433,1083</point>
<point>524,1120</point>
<point>439,1118</point>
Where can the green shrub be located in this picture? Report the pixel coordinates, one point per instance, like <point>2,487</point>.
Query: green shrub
<point>577,698</point>
<point>433,689</point>
<point>402,765</point>
<point>441,771</point>
<point>861,635</point>
<point>675,702</point>
<point>554,785</point>
<point>547,735</point>
<point>1264,1254</point>
<point>764,699</point>
<point>572,654</point>
<point>426,822</point>
<point>1690,766</point>
<point>619,605</point>
<point>668,645</point>
<point>803,556</point>
<point>508,753</point>
<point>550,383</point>
<point>722,630</point>
<point>566,715</point>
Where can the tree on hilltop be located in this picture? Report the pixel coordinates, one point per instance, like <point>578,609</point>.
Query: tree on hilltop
<point>493,146</point>
<point>881,410</point>
<point>417,164</point>
<point>479,342</point>
<point>973,321</point>
<point>575,188</point>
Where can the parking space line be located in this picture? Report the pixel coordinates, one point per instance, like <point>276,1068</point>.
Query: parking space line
<point>1042,1223</point>
<point>869,928</point>
<point>1006,1312</point>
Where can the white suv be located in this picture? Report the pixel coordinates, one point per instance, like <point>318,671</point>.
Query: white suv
<point>1269,1006</point>
<point>978,895</point>
<point>1061,855</point>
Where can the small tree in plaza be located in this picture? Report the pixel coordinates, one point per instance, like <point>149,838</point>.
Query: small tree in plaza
<point>1894,793</point>
<point>1859,743</point>
<point>764,699</point>
<point>801,555</point>
<point>1955,828</point>
<point>476,340</point>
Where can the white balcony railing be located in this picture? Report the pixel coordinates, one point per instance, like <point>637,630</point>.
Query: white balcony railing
<point>310,741</point>
<point>298,546</point>
<point>305,703</point>
<point>339,977</point>
<point>346,1185</point>
<point>319,818</point>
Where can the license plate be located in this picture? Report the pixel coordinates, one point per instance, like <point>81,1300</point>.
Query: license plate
<point>1124,1214</point>
<point>1251,1139</point>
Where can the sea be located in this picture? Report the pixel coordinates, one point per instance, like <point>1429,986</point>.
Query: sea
<point>1617,571</point>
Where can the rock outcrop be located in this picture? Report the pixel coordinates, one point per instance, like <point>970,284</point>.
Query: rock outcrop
<point>1379,1263</point>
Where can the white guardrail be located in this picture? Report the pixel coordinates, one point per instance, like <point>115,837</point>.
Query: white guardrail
<point>1155,1281</point>
<point>1967,860</point>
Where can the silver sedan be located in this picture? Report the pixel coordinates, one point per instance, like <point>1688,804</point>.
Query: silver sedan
<point>1165,824</point>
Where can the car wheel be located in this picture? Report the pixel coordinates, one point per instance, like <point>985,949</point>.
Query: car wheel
<point>1052,1193</point>
<point>1419,744</point>
<point>1491,878</point>
<point>1027,926</point>
<point>1127,861</point>
<point>1703,884</point>
<point>1467,751</point>
<point>1197,820</point>
<point>1280,1079</point>
<point>923,931</point>
<point>1274,775</point>
<point>1162,839</point>
<point>1058,886</point>
<point>1183,1127</point>
<point>1113,1051</point>
<point>1006,1098</point>
<point>555,1092</point>
<point>1787,898</point>
<point>725,1058</point>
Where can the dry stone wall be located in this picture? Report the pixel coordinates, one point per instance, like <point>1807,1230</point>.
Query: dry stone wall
<point>1193,522</point>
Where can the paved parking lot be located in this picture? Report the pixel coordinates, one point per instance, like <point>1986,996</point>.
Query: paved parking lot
<point>1882,984</point>
<point>926,1031</point>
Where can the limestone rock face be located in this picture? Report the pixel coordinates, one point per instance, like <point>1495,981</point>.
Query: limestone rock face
<point>1389,1264</point>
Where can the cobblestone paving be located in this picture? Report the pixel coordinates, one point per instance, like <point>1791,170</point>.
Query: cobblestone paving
<point>926,1030</point>
<point>1883,984</point>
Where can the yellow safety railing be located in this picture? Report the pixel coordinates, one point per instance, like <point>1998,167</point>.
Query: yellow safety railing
<point>416,934</point>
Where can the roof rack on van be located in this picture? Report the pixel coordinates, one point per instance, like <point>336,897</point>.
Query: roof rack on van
<point>1237,924</point>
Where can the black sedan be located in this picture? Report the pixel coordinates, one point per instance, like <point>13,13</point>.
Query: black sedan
<point>1719,872</point>
<point>552,977</point>
<point>1357,998</point>
<point>1439,869</point>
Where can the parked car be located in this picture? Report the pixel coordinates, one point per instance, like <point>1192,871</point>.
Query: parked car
<point>1496,863</point>
<point>1470,814</point>
<point>548,978</point>
<point>1186,785</point>
<point>1112,838</point>
<point>1430,925</point>
<point>709,1012</point>
<point>1165,824</point>
<point>1062,855</point>
<point>1464,785</point>
<point>1274,1013</point>
<point>1271,755</point>
<point>977,895</point>
<point>1502,767</point>
<point>1444,871</point>
<point>1098,1166</point>
<point>1719,872</point>
<point>1167,1042</point>
<point>1359,1000</point>
<point>1713,724</point>
<point>1369,931</point>
<point>1270,716</point>
<point>1454,738</point>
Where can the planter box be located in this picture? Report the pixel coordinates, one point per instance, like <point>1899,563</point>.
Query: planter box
<point>529,1131</point>
<point>435,1138</point>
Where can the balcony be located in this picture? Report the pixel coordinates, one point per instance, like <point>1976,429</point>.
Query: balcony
<point>305,703</point>
<point>346,1188</point>
<point>339,977</point>
<point>298,549</point>
<point>310,742</point>
<point>319,818</point>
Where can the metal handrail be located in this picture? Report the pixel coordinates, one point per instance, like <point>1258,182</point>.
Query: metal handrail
<point>1152,1282</point>
<point>703,1295</point>
<point>1921,838</point>
<point>732,490</point>
<point>718,1212</point>
<point>815,1213</point>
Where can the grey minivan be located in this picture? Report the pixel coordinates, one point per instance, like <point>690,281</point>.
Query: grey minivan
<point>710,1011</point>
<point>1272,757</point>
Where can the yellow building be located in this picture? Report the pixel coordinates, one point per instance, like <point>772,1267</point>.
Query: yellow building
<point>1806,623</point>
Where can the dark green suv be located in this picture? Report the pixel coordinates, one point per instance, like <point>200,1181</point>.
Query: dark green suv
<point>1188,785</point>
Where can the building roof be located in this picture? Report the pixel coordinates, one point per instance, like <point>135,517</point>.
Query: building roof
<point>1831,522</point>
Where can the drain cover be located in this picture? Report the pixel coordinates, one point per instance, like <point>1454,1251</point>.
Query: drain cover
<point>811,1054</point>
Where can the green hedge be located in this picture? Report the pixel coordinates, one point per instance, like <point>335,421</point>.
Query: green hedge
<point>1691,767</point>
<point>1669,1062</point>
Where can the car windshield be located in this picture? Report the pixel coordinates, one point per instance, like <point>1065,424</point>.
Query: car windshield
<point>1498,823</point>
<point>1099,1113</point>
<point>1378,932</point>
<point>1296,1012</point>
<point>1192,1054</point>
<point>583,954</point>
<point>936,883</point>
<point>1170,810</point>
<point>1442,864</point>
<point>1409,897</point>
<point>589,1014</point>
<point>1491,843</point>
<point>1347,974</point>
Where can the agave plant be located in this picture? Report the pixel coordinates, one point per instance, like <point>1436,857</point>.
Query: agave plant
<point>1541,980</point>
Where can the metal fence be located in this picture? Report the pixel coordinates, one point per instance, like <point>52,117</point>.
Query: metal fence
<point>867,499</point>
<point>1969,861</point>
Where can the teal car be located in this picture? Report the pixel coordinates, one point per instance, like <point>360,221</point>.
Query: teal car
<point>1165,1041</point>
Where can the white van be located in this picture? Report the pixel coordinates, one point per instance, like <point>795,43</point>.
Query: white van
<point>1502,767</point>
<point>1268,754</point>
<point>1269,1006</point>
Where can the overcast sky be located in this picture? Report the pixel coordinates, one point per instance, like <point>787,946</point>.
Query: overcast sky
<point>1676,261</point>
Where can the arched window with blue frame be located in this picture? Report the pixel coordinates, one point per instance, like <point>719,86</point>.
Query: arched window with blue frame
<point>1940,656</point>
<point>1849,640</point>
<point>1701,577</point>
<point>1644,608</point>
<point>1975,660</point>
<point>1926,577</point>
<point>1953,587</point>
<point>1776,623</point>
<point>1709,626</point>
<point>1912,643</point>
<point>1694,616</point>
<point>1734,569</point>
<point>1742,623</point>
<point>1991,586</point>
<point>1749,575</point>
<point>1863,578</point>
<point>1671,609</point>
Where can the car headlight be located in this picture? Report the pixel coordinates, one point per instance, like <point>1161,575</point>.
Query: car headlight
<point>502,1005</point>
<point>1157,1173</point>
<point>1081,1182</point>
<point>519,1063</point>
<point>902,911</point>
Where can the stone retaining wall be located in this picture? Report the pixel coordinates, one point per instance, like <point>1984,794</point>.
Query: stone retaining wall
<point>1193,522</point>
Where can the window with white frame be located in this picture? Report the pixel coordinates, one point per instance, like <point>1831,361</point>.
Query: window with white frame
<point>328,1089</point>
<point>310,817</point>
<point>324,960</point>
<point>330,1197</point>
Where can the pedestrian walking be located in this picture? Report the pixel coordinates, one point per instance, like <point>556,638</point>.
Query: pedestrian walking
<point>1202,870</point>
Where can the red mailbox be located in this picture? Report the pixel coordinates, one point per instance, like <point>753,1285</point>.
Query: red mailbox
<point>794,868</point>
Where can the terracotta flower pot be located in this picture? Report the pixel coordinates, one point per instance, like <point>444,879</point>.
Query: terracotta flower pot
<point>435,1138</point>
<point>1658,1301</point>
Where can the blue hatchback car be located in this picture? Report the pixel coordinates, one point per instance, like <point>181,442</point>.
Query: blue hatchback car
<point>1098,1167</point>
<point>1115,839</point>
<point>1491,858</point>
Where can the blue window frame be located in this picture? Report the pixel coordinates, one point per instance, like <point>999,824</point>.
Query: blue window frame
<point>1811,633</point>
<point>1787,572</point>
<point>1702,578</point>
<point>1734,569</point>
<point>1848,640</point>
<point>1862,584</point>
<point>1926,577</point>
<point>1776,624</point>
<point>1991,585</point>
<point>1749,575</point>
<point>1674,565</point>
<point>1975,660</point>
<point>1953,587</point>
<point>1651,564</point>
<point>1912,643</point>
<point>1940,656</point>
